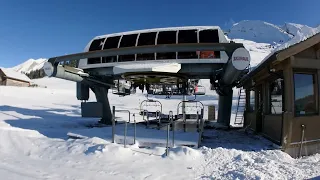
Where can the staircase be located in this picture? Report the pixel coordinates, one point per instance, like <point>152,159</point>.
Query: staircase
<point>240,107</point>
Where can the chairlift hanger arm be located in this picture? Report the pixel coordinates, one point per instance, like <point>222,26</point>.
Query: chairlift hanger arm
<point>227,47</point>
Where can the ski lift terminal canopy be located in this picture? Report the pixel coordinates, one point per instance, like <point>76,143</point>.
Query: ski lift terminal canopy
<point>190,44</point>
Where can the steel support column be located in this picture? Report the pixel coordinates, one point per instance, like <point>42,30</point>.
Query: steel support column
<point>225,105</point>
<point>102,97</point>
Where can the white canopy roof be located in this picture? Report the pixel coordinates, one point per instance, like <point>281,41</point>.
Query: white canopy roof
<point>147,67</point>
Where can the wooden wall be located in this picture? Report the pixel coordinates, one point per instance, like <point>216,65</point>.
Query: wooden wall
<point>12,82</point>
<point>272,127</point>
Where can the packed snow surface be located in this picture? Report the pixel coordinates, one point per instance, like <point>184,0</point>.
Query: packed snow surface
<point>34,123</point>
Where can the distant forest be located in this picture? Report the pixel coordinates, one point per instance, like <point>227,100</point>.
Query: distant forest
<point>39,73</point>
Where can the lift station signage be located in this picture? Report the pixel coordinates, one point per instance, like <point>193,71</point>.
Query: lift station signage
<point>240,58</point>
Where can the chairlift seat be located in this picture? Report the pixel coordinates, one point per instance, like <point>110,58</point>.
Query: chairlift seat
<point>150,114</point>
<point>190,116</point>
<point>200,90</point>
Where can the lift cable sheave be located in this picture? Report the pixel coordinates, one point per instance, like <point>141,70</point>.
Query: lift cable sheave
<point>229,48</point>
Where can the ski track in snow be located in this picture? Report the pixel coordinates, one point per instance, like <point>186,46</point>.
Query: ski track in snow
<point>34,123</point>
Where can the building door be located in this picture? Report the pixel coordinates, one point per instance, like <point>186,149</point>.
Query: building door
<point>259,107</point>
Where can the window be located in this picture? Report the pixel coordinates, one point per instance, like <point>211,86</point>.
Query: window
<point>252,100</point>
<point>304,94</point>
<point>147,39</point>
<point>276,96</point>
<point>209,36</point>
<point>94,46</point>
<point>167,37</point>
<point>187,36</point>
<point>111,42</point>
<point>144,40</point>
<point>128,41</point>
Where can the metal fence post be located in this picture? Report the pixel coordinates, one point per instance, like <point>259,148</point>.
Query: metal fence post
<point>173,126</point>
<point>135,129</point>
<point>167,146</point>
<point>158,115</point>
<point>113,123</point>
<point>201,129</point>
<point>198,127</point>
<point>147,119</point>
<point>129,115</point>
<point>125,134</point>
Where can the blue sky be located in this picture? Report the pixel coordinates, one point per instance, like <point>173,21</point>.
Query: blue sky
<point>43,29</point>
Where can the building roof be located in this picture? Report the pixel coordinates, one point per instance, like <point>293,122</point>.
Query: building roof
<point>10,73</point>
<point>285,50</point>
<point>159,29</point>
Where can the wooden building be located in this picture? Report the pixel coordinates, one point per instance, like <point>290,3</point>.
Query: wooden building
<point>282,97</point>
<point>9,77</point>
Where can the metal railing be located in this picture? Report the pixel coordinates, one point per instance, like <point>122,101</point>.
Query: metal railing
<point>125,126</point>
<point>158,118</point>
<point>146,113</point>
<point>201,106</point>
<point>134,132</point>
<point>124,111</point>
<point>171,122</point>
<point>200,129</point>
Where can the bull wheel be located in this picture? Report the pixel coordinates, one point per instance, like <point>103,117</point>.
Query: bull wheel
<point>154,78</point>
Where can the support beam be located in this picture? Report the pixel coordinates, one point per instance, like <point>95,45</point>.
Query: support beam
<point>102,97</point>
<point>225,105</point>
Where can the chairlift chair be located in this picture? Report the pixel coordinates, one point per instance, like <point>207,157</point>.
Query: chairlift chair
<point>121,89</point>
<point>199,90</point>
<point>146,104</point>
<point>197,105</point>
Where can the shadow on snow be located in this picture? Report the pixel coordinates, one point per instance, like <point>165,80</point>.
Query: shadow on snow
<point>56,123</point>
<point>52,123</point>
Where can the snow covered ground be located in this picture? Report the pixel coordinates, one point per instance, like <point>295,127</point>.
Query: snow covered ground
<point>34,123</point>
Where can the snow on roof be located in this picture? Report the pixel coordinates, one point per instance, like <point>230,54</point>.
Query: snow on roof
<point>158,29</point>
<point>297,39</point>
<point>14,74</point>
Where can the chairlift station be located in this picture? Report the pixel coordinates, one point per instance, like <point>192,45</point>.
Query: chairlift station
<point>154,57</point>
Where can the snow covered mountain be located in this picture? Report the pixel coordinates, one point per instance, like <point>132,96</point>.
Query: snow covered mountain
<point>30,65</point>
<point>259,31</point>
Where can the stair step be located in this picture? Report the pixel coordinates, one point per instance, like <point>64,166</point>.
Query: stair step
<point>237,123</point>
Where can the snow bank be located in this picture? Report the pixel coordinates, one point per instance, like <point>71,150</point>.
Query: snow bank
<point>184,153</point>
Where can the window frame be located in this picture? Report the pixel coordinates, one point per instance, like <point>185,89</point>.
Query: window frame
<point>271,80</point>
<point>248,100</point>
<point>314,74</point>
